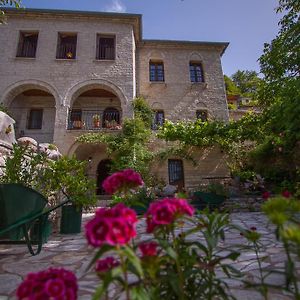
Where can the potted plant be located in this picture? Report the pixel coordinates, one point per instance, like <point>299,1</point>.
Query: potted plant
<point>68,177</point>
<point>96,120</point>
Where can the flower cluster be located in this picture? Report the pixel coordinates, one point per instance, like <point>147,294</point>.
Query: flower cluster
<point>165,211</point>
<point>53,284</point>
<point>123,180</point>
<point>111,226</point>
<point>148,249</point>
<point>106,264</point>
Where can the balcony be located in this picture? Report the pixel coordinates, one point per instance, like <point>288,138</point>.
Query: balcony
<point>108,118</point>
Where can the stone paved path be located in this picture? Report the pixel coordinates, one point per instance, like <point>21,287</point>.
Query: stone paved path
<point>72,252</point>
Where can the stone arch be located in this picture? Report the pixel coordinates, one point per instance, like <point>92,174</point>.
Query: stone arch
<point>86,85</point>
<point>21,86</point>
<point>196,56</point>
<point>156,55</point>
<point>157,106</point>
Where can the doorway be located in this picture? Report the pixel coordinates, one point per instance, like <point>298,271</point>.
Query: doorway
<point>103,171</point>
<point>176,177</point>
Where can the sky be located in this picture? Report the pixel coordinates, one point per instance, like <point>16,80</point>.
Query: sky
<point>245,24</point>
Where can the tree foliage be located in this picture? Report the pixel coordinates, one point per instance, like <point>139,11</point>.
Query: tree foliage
<point>130,147</point>
<point>247,82</point>
<point>14,3</point>
<point>231,88</point>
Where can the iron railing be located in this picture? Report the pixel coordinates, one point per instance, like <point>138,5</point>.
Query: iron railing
<point>94,119</point>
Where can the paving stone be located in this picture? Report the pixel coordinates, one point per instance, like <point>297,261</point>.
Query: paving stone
<point>73,253</point>
<point>8,283</point>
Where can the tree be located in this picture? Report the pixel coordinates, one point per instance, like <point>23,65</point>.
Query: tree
<point>130,147</point>
<point>247,82</point>
<point>231,88</point>
<point>14,3</point>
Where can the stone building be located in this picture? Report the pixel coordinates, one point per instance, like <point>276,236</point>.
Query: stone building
<point>65,73</point>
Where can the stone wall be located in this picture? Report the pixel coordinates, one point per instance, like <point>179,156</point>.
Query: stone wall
<point>177,95</point>
<point>60,77</point>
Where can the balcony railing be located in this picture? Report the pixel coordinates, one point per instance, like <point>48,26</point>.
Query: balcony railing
<point>94,119</point>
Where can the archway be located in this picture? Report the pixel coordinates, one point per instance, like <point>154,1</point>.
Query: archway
<point>33,109</point>
<point>103,171</point>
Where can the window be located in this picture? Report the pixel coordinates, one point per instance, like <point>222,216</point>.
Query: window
<point>35,119</point>
<point>196,72</point>
<point>66,46</point>
<point>156,71</point>
<point>175,168</point>
<point>105,47</point>
<point>27,44</point>
<point>201,115</point>
<point>158,119</point>
<point>111,118</point>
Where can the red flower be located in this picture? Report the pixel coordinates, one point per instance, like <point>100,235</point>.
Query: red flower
<point>166,211</point>
<point>123,180</point>
<point>55,288</point>
<point>106,264</point>
<point>148,249</point>
<point>286,194</point>
<point>253,228</point>
<point>49,284</point>
<point>115,226</point>
<point>266,195</point>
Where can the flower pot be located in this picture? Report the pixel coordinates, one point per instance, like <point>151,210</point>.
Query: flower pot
<point>71,217</point>
<point>96,124</point>
<point>77,124</point>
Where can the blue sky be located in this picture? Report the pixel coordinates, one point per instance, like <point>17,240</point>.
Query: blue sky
<point>246,24</point>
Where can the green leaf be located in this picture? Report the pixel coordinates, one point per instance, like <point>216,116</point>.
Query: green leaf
<point>99,253</point>
<point>134,260</point>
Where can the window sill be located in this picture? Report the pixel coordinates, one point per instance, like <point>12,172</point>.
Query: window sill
<point>157,83</point>
<point>25,58</point>
<point>65,59</point>
<point>199,84</point>
<point>104,60</point>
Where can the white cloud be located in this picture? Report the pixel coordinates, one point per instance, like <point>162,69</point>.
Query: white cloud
<point>116,6</point>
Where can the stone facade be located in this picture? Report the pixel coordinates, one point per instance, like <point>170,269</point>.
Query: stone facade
<point>66,89</point>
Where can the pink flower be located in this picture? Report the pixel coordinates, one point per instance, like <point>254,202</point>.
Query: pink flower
<point>148,249</point>
<point>55,288</point>
<point>286,194</point>
<point>123,180</point>
<point>53,284</point>
<point>106,264</point>
<point>266,195</point>
<point>166,211</point>
<point>115,226</point>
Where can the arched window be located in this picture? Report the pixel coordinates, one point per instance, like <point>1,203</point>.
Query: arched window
<point>111,118</point>
<point>196,72</point>
<point>156,71</point>
<point>158,119</point>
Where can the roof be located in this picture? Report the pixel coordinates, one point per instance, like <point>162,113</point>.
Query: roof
<point>136,19</point>
<point>221,45</point>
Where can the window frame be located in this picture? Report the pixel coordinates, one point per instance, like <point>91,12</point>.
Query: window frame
<point>181,179</point>
<point>155,124</point>
<point>194,73</point>
<point>59,45</point>
<point>156,77</point>
<point>21,53</point>
<point>106,36</point>
<point>30,119</point>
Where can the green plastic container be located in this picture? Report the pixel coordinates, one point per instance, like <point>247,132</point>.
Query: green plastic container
<point>71,217</point>
<point>202,200</point>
